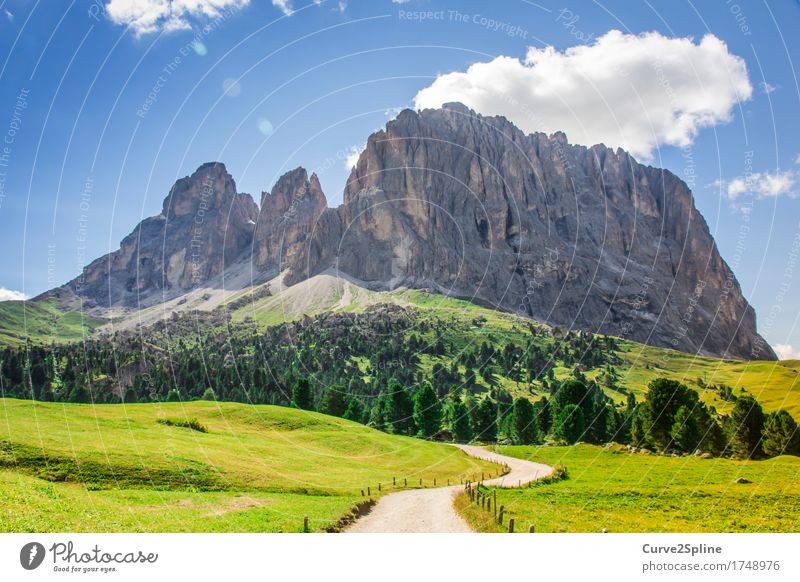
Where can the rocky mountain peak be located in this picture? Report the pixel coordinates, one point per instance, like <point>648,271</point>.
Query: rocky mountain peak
<point>209,187</point>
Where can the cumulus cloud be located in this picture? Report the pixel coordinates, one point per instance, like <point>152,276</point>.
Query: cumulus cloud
<point>638,92</point>
<point>10,295</point>
<point>760,184</point>
<point>284,6</point>
<point>148,16</point>
<point>786,352</point>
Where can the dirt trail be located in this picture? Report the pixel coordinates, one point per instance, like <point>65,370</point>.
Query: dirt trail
<point>431,510</point>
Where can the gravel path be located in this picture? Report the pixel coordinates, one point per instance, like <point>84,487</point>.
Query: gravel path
<point>431,510</point>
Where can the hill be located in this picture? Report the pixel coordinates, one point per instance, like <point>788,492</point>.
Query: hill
<point>43,322</point>
<point>447,335</point>
<point>72,467</point>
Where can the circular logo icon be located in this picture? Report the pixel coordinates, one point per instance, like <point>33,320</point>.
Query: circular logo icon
<point>31,555</point>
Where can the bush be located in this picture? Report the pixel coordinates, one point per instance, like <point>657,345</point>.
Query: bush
<point>191,423</point>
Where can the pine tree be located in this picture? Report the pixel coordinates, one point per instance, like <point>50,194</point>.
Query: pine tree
<point>458,421</point>
<point>301,394</point>
<point>427,411</point>
<point>685,433</point>
<point>523,423</point>
<point>781,435</point>
<point>571,424</point>
<point>333,401</point>
<point>399,411</point>
<point>486,417</point>
<point>745,426</point>
<point>355,411</point>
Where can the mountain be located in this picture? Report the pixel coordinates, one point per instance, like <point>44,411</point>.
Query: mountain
<point>471,207</point>
<point>204,226</point>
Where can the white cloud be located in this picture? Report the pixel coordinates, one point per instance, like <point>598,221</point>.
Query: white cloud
<point>400,1</point>
<point>637,92</point>
<point>148,16</point>
<point>767,88</point>
<point>786,352</point>
<point>10,295</point>
<point>9,14</point>
<point>284,6</point>
<point>760,184</point>
<point>797,159</point>
<point>351,159</point>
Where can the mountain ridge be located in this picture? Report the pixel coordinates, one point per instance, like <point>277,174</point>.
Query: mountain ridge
<point>583,237</point>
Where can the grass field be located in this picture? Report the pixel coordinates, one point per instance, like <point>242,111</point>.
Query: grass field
<point>630,492</point>
<point>72,467</point>
<point>42,322</point>
<point>774,384</point>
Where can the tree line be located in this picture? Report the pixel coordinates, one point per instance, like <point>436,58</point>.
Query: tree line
<point>401,373</point>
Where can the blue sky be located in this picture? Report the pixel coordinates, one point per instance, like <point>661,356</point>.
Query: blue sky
<point>106,104</point>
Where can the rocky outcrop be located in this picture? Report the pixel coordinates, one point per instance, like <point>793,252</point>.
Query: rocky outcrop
<point>204,225</point>
<point>581,237</point>
<point>288,215</point>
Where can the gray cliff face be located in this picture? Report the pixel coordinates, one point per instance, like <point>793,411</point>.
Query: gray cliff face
<point>204,226</point>
<point>470,206</point>
<point>288,215</point>
<point>569,235</point>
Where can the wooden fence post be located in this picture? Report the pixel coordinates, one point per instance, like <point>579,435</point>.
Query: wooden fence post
<point>500,515</point>
<point>305,524</point>
<point>531,529</point>
<point>434,481</point>
<point>405,481</point>
<point>510,525</point>
<point>368,491</point>
<point>362,493</point>
<point>394,481</point>
<point>494,498</point>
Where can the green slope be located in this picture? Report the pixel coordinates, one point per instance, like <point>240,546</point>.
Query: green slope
<point>775,384</point>
<point>257,468</point>
<point>631,492</point>
<point>42,322</point>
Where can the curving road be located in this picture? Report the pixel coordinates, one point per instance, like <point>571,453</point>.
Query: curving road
<point>431,510</point>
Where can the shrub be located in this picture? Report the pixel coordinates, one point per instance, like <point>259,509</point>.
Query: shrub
<point>191,423</point>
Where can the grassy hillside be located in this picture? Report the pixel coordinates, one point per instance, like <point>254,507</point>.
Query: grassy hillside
<point>257,468</point>
<point>42,323</point>
<point>775,384</point>
<point>629,492</point>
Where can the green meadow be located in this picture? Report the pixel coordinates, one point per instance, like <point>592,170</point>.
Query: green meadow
<point>42,322</point>
<point>74,467</point>
<point>620,491</point>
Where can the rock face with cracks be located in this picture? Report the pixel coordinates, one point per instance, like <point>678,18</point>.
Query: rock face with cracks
<point>446,199</point>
